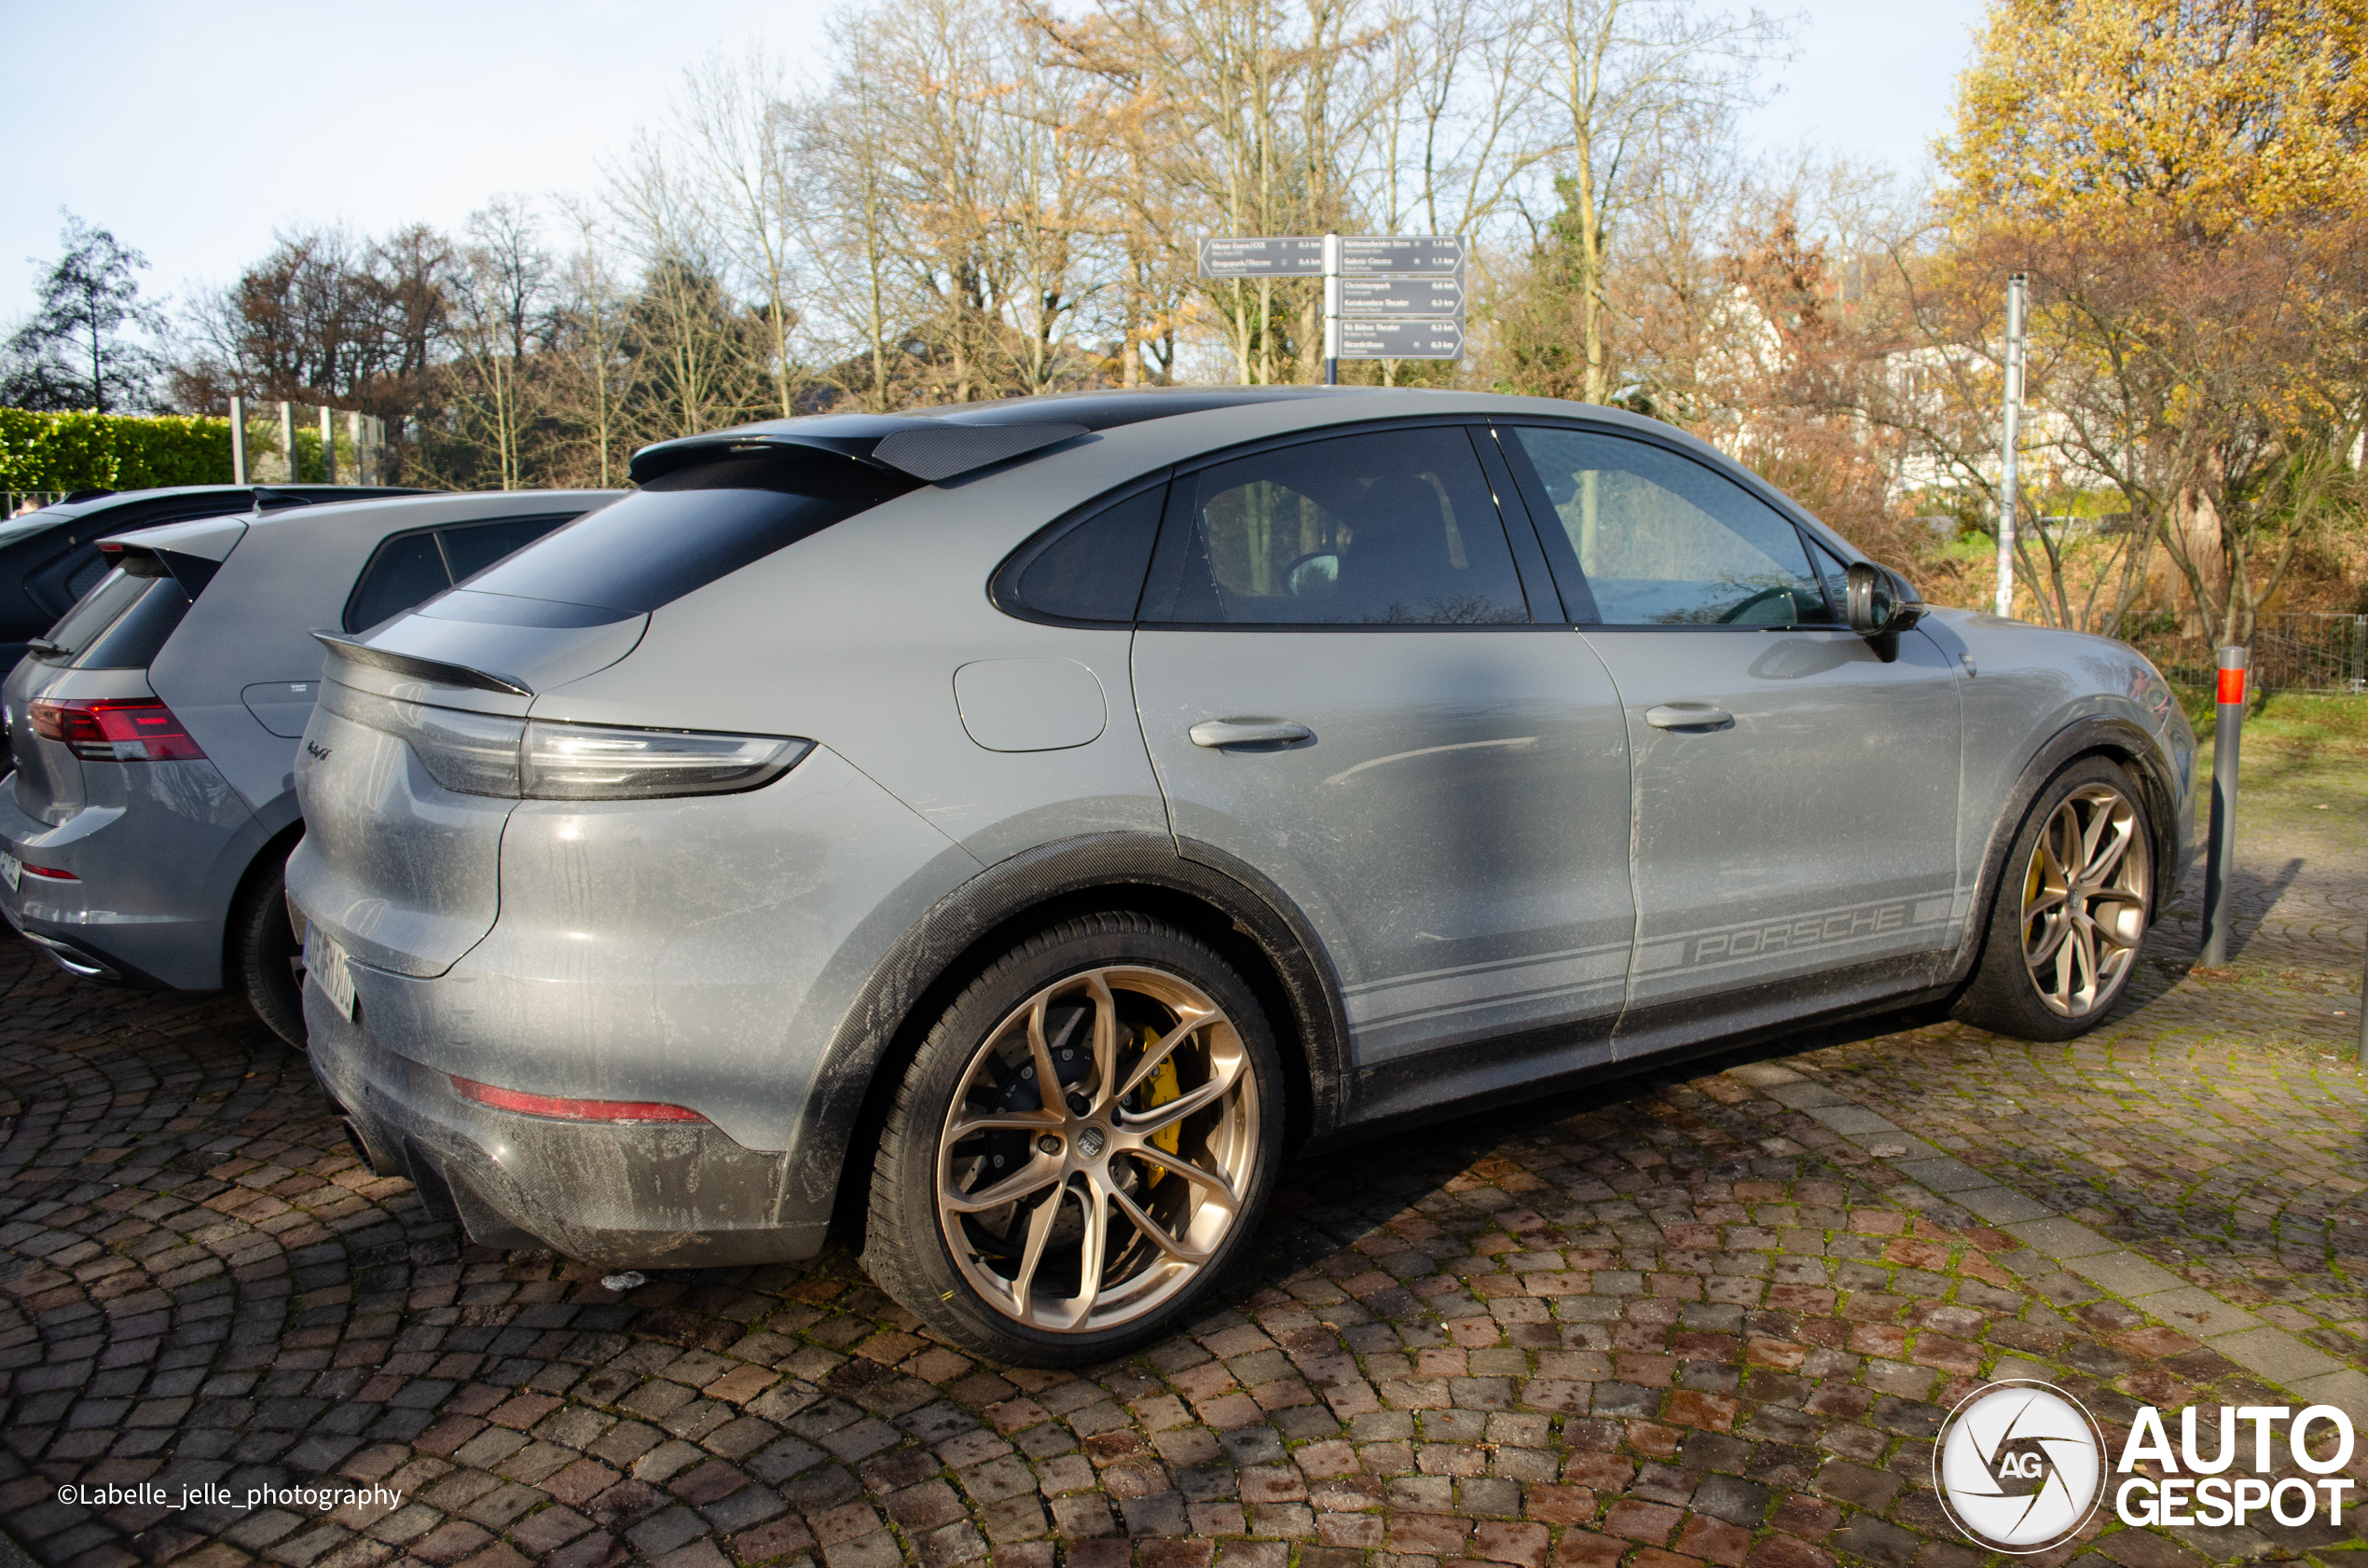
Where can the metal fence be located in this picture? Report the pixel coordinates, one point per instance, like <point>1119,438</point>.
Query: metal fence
<point>2291,652</point>
<point>14,501</point>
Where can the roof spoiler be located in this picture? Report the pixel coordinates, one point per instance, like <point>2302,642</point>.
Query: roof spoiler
<point>191,572</point>
<point>266,498</point>
<point>418,669</point>
<point>931,450</point>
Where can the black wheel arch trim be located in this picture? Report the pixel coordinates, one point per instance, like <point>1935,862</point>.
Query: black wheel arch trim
<point>2087,736</point>
<point>882,1024</point>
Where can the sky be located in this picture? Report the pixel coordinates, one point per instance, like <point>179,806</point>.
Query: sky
<point>196,131</point>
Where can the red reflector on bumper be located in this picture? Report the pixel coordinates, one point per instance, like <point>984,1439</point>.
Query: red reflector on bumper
<point>53,873</point>
<point>567,1110</point>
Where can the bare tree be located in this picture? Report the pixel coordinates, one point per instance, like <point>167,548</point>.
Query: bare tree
<point>1622,77</point>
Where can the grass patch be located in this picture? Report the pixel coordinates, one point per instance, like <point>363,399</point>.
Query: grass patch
<point>2285,718</point>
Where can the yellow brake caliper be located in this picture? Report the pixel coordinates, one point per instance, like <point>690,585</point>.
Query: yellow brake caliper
<point>1158,1090</point>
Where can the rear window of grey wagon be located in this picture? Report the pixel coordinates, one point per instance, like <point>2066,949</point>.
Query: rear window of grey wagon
<point>685,529</point>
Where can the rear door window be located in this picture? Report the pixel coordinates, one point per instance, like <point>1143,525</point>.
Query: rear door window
<point>410,569</point>
<point>1387,529</point>
<point>468,551</point>
<point>404,572</point>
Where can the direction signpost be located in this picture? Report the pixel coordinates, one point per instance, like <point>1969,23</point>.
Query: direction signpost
<point>1385,296</point>
<point>1396,337</point>
<point>1440,297</point>
<point>1275,257</point>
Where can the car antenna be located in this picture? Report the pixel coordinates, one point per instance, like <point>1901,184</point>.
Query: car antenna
<point>265,496</point>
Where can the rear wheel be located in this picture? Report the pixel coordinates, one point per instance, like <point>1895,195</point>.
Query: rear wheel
<point>2070,913</point>
<point>1063,1230</point>
<point>263,949</point>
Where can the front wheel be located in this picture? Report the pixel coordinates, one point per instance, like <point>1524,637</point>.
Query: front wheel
<point>1065,1228</point>
<point>2071,909</point>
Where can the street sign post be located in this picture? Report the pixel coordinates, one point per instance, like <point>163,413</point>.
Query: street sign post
<point>1385,296</point>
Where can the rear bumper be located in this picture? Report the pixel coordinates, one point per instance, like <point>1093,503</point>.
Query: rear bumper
<point>154,877</point>
<point>623,1194</point>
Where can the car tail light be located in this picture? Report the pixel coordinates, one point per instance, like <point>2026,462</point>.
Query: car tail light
<point>569,1109</point>
<point>601,762</point>
<point>516,758</point>
<point>114,729</point>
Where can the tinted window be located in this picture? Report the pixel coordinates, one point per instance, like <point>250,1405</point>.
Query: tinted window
<point>1663,541</point>
<point>1394,527</point>
<point>684,529</point>
<point>470,550</point>
<point>405,572</point>
<point>1090,571</point>
<point>136,637</point>
<point>116,592</point>
<point>85,577</point>
<point>411,569</point>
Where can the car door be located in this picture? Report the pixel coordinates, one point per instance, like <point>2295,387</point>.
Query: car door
<point>1795,789</point>
<point>1341,686</point>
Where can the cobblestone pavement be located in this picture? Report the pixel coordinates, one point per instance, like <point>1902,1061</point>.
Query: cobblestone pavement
<point>1709,1317</point>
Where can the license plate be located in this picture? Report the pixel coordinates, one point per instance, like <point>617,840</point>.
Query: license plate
<point>12,870</point>
<point>324,965</point>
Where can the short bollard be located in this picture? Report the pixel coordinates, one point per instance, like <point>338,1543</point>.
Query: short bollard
<point>2220,853</point>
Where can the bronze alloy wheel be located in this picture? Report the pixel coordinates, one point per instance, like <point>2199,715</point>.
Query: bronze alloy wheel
<point>2084,898</point>
<point>1088,1211</point>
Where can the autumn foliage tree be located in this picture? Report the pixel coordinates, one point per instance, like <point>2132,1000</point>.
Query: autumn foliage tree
<point>2182,180</point>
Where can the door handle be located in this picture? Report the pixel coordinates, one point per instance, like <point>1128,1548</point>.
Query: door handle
<point>1221,732</point>
<point>1687,716</point>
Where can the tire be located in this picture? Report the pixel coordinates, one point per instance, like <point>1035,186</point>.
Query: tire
<point>2085,845</point>
<point>263,949</point>
<point>1020,1281</point>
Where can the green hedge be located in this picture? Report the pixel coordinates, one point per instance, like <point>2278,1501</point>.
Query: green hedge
<point>111,451</point>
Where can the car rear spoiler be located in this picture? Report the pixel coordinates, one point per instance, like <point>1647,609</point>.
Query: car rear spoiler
<point>435,670</point>
<point>189,553</point>
<point>932,450</point>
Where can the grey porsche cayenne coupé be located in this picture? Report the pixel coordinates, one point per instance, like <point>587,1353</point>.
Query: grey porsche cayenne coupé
<point>1013,828</point>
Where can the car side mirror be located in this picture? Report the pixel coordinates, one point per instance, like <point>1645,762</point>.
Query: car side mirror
<point>1313,576</point>
<point>1879,602</point>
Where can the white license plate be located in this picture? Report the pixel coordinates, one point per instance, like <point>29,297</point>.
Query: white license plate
<point>324,965</point>
<point>12,870</point>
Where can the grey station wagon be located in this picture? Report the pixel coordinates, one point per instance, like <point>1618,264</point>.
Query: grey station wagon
<point>1013,828</point>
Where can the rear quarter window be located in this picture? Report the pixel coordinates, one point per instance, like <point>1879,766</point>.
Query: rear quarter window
<point>1085,570</point>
